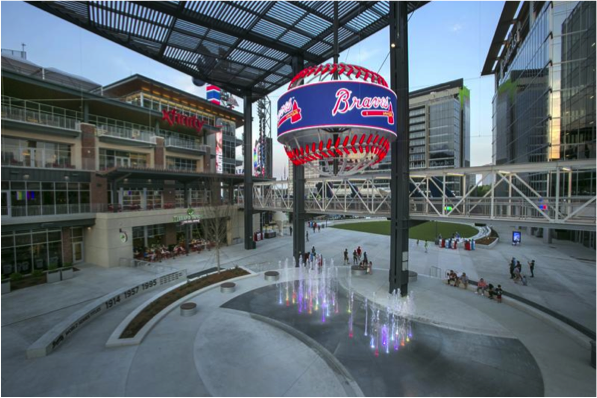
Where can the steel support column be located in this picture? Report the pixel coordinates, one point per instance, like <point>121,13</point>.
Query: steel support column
<point>399,171</point>
<point>248,188</point>
<point>298,191</point>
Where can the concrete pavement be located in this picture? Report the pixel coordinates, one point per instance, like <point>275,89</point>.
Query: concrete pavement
<point>225,344</point>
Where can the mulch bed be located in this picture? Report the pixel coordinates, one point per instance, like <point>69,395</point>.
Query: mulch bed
<point>27,282</point>
<point>493,236</point>
<point>164,301</point>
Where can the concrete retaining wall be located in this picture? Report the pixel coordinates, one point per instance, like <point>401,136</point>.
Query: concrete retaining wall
<point>56,336</point>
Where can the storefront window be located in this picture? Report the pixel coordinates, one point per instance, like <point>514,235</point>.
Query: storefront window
<point>24,251</point>
<point>45,198</point>
<point>110,158</point>
<point>181,164</point>
<point>17,152</point>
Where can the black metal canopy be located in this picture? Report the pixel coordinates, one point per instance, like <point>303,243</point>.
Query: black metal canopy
<point>236,45</point>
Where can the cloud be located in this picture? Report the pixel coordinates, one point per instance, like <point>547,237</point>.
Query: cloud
<point>456,27</point>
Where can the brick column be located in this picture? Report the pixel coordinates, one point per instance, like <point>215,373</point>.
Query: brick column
<point>159,153</point>
<point>88,147</point>
<point>67,246</point>
<point>99,192</point>
<point>171,234</point>
<point>169,192</point>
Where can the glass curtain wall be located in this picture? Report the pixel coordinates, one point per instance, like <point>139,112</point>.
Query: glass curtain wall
<point>24,251</point>
<point>30,198</point>
<point>29,153</point>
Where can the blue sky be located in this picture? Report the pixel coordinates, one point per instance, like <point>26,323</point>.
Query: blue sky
<point>447,41</point>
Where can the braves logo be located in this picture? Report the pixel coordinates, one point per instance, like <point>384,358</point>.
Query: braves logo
<point>346,102</point>
<point>289,111</point>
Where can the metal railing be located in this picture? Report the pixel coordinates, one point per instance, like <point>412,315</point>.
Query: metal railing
<point>185,144</point>
<point>125,133</point>
<point>51,210</point>
<point>21,114</point>
<point>508,197</point>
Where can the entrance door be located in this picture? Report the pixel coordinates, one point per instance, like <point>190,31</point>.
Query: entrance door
<point>77,252</point>
<point>6,203</point>
<point>122,161</point>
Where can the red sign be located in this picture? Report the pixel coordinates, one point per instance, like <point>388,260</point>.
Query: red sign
<point>173,117</point>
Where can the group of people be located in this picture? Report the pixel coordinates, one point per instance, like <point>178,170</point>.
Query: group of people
<point>492,292</point>
<point>482,286</point>
<point>516,271</point>
<point>359,257</point>
<point>161,252</point>
<point>311,257</point>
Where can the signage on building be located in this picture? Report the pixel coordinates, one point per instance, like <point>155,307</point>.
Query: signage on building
<point>338,104</point>
<point>173,117</point>
<point>189,218</point>
<point>219,153</point>
<point>123,237</point>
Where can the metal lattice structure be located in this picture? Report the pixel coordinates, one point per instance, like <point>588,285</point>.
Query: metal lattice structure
<point>236,45</point>
<point>507,197</point>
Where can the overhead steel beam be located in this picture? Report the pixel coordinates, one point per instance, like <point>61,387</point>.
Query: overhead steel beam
<point>204,20</point>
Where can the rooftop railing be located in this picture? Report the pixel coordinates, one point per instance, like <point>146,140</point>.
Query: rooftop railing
<point>37,113</point>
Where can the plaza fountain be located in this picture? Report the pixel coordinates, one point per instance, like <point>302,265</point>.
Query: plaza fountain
<point>314,289</point>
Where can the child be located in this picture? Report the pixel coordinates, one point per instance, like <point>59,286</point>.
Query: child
<point>498,293</point>
<point>524,280</point>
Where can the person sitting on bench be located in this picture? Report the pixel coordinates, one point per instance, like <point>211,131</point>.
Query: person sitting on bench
<point>463,279</point>
<point>481,286</point>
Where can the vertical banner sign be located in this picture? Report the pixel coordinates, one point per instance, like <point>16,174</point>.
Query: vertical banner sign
<point>219,153</point>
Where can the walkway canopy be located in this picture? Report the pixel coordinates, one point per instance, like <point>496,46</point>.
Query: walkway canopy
<point>236,45</point>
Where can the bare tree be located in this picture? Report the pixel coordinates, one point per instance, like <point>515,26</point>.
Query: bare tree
<point>215,225</point>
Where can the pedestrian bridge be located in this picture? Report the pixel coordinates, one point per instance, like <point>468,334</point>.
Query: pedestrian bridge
<point>557,195</point>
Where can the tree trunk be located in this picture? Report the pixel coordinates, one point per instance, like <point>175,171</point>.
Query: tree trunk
<point>218,257</point>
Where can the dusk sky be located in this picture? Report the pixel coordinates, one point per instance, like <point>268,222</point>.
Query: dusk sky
<point>447,41</point>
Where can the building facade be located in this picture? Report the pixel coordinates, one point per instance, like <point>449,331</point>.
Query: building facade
<point>543,60</point>
<point>92,173</point>
<point>439,130</point>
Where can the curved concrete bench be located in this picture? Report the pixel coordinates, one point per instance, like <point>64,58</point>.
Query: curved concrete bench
<point>228,287</point>
<point>412,276</point>
<point>56,336</point>
<point>272,276</point>
<point>357,271</point>
<point>188,309</point>
<point>115,341</point>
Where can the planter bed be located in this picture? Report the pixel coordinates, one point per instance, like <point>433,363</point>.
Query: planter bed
<point>164,301</point>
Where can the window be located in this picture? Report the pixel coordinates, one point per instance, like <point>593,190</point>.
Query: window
<point>173,163</point>
<point>24,251</point>
<point>111,158</point>
<point>31,198</point>
<point>18,152</point>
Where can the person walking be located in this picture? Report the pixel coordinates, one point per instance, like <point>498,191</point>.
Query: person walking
<point>359,252</point>
<point>291,230</point>
<point>365,257</point>
<point>319,228</point>
<point>417,243</point>
<point>426,246</point>
<point>355,258</point>
<point>346,256</point>
<point>532,267</point>
<point>313,250</point>
<point>307,235</point>
<point>512,265</point>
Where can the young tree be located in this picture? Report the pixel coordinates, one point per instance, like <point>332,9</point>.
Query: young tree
<point>215,225</point>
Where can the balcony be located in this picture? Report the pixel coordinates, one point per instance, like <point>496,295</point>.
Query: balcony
<point>182,145</point>
<point>13,215</point>
<point>124,136</point>
<point>25,115</point>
